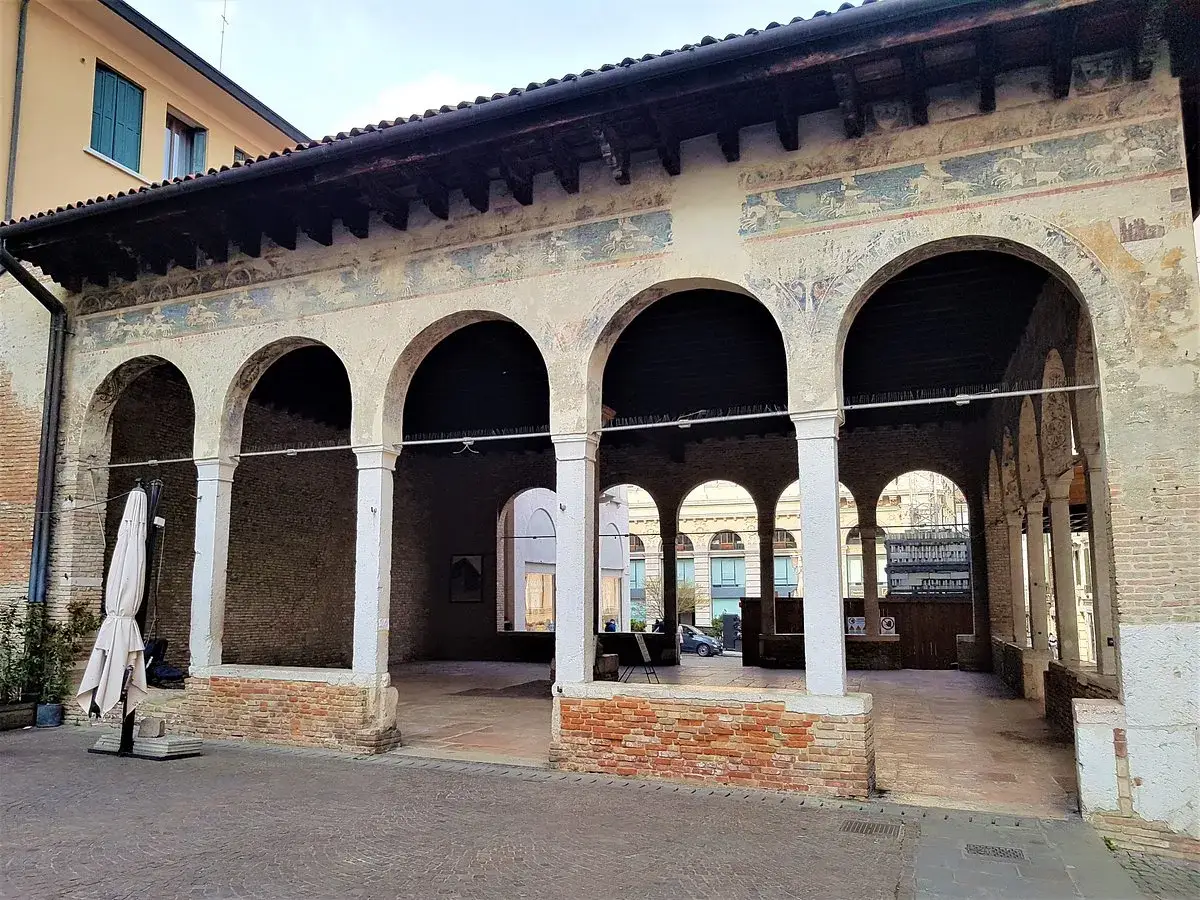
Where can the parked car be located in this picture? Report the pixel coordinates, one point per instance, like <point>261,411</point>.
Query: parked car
<point>692,640</point>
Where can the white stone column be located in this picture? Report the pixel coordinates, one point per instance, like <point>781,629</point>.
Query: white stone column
<point>575,571</point>
<point>824,617</point>
<point>1066,615</point>
<point>1039,604</point>
<point>1016,572</point>
<point>373,560</point>
<point>214,489</point>
<point>866,534</point>
<point>1101,550</point>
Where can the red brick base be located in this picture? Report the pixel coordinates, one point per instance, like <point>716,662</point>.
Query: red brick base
<point>757,743</point>
<point>1134,833</point>
<point>304,713</point>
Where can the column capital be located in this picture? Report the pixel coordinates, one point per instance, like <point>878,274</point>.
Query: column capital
<point>575,446</point>
<point>1059,494</point>
<point>868,532</point>
<point>215,469</point>
<point>818,424</point>
<point>1015,519</point>
<point>376,456</point>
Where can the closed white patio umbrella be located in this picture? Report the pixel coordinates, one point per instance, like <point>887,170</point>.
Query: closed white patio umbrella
<point>119,644</point>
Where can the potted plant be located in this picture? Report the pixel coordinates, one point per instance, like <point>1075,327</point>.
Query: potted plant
<point>16,708</point>
<point>53,648</point>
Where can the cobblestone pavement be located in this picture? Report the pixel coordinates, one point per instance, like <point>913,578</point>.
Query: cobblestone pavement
<point>1158,876</point>
<point>250,822</point>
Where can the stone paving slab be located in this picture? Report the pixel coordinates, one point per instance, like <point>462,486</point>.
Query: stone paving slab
<point>1158,876</point>
<point>246,821</point>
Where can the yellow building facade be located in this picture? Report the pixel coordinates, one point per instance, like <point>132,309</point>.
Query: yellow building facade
<point>56,89</point>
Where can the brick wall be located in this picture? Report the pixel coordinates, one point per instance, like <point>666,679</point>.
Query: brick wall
<point>153,419</point>
<point>1008,664</point>
<point>1064,684</point>
<point>747,744</point>
<point>448,505</point>
<point>20,427</point>
<point>290,588</point>
<point>284,712</point>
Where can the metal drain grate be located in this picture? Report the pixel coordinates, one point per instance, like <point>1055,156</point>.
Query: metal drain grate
<point>882,829</point>
<point>993,852</point>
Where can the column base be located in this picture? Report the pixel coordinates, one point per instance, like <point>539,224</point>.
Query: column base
<point>331,708</point>
<point>769,739</point>
<point>1114,776</point>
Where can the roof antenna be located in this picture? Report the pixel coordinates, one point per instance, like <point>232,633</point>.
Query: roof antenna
<point>224,23</point>
<point>467,447</point>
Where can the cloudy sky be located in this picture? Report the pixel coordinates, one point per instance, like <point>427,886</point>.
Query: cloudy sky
<point>328,65</point>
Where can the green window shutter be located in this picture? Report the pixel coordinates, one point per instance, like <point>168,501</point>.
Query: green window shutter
<point>199,149</point>
<point>127,146</point>
<point>104,109</point>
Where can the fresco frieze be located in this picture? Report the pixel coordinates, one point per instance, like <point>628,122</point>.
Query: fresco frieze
<point>1148,148</point>
<point>593,243</point>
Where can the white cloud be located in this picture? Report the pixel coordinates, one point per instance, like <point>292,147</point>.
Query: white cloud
<point>430,91</point>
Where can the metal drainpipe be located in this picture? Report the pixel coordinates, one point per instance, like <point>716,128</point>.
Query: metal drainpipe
<point>39,564</point>
<point>15,124</point>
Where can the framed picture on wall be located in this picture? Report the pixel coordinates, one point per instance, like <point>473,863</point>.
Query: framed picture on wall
<point>466,579</point>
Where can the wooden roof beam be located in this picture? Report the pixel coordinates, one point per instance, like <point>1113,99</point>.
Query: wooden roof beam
<point>787,118</point>
<point>280,227</point>
<point>356,219</point>
<point>615,152</point>
<point>729,139</point>
<point>477,187</point>
<point>846,87</point>
<point>1062,52</point>
<point>985,56</point>
<point>318,225</point>
<point>518,176</point>
<point>436,197</point>
<point>918,85</point>
<point>565,164</point>
<point>1147,37</point>
<point>666,142</point>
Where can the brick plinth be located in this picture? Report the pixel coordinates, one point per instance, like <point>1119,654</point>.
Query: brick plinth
<point>303,713</point>
<point>1134,833</point>
<point>1064,685</point>
<point>795,742</point>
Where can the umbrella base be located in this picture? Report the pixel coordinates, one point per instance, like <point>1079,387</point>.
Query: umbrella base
<point>169,747</point>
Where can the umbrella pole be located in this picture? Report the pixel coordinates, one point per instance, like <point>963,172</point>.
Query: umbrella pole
<point>125,748</point>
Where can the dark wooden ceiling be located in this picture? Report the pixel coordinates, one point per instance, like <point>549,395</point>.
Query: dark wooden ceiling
<point>362,181</point>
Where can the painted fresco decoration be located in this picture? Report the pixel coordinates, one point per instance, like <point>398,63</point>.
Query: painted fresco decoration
<point>1147,148</point>
<point>594,243</point>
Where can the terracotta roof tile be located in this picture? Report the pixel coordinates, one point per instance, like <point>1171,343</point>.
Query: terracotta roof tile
<point>384,124</point>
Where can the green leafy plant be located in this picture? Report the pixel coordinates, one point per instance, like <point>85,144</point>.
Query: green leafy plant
<point>637,625</point>
<point>13,658</point>
<point>52,648</point>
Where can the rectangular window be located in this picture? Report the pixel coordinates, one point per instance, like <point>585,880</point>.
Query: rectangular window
<point>685,571</point>
<point>637,574</point>
<point>728,571</point>
<point>539,601</point>
<point>239,155</point>
<point>854,569</point>
<point>117,118</point>
<point>184,148</point>
<point>785,571</point>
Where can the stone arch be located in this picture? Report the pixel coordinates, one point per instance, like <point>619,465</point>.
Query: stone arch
<point>623,303</point>
<point>388,417</point>
<point>1085,404</point>
<point>1056,420</point>
<point>237,393</point>
<point>929,469</point>
<point>93,430</point>
<point>1029,459</point>
<point>994,492</point>
<point>908,242</point>
<point>1010,485</point>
